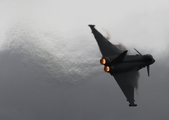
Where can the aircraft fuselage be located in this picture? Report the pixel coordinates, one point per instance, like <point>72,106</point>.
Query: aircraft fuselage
<point>129,62</point>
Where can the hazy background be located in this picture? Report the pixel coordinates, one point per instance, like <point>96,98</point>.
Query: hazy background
<point>49,59</point>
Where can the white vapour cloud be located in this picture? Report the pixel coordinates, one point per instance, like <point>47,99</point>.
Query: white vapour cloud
<point>62,56</point>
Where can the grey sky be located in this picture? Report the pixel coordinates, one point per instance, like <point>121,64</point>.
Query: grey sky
<point>50,61</point>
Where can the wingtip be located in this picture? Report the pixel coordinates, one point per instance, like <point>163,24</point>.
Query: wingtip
<point>132,105</point>
<point>90,25</point>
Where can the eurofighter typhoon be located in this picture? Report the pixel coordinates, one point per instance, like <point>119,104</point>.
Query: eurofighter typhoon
<point>124,68</point>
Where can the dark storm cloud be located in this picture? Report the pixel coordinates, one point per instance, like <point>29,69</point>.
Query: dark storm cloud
<point>27,95</point>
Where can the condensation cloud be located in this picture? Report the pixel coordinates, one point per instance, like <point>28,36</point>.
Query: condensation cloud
<point>66,56</point>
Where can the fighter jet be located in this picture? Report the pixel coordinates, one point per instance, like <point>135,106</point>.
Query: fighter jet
<point>123,67</point>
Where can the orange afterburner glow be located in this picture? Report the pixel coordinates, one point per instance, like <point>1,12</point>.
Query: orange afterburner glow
<point>103,61</point>
<point>107,69</point>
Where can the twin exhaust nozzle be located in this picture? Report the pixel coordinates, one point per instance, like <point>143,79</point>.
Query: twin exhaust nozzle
<point>103,61</point>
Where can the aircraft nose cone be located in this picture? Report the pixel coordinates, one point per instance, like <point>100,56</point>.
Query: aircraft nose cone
<point>153,61</point>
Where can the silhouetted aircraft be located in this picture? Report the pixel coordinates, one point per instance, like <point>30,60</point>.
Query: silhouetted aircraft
<point>123,67</point>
